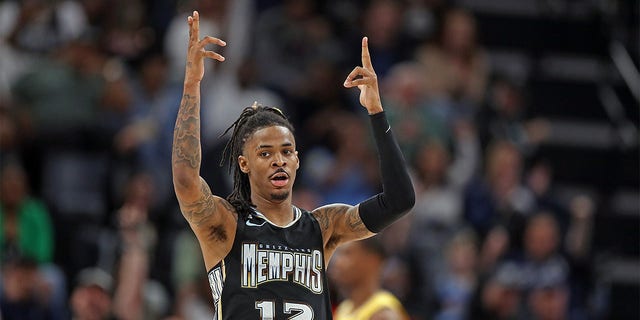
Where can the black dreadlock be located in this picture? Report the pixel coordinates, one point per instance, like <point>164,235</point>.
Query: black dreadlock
<point>251,119</point>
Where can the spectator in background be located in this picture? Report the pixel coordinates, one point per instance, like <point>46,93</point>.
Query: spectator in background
<point>91,295</point>
<point>345,174</point>
<point>500,297</point>
<point>30,29</point>
<point>356,269</point>
<point>438,214</point>
<point>458,61</point>
<point>25,225</point>
<point>544,269</point>
<point>539,180</point>
<point>414,118</point>
<point>382,23</point>
<point>421,19</point>
<point>548,301</point>
<point>504,118</point>
<point>9,135</point>
<point>79,111</point>
<point>289,37</point>
<point>136,295</point>
<point>500,198</point>
<point>455,285</point>
<point>26,237</point>
<point>149,132</point>
<point>22,293</point>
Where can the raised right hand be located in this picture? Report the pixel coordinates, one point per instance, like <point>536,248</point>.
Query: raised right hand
<point>196,52</point>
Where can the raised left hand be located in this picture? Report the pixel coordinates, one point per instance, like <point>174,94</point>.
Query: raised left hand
<point>365,79</point>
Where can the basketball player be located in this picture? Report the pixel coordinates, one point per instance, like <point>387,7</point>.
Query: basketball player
<point>265,257</point>
<point>356,269</point>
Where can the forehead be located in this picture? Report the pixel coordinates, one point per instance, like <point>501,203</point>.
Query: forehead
<point>270,136</point>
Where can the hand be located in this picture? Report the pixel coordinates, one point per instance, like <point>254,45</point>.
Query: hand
<point>196,52</point>
<point>366,81</point>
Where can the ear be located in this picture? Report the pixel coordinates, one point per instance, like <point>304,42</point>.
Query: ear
<point>297,161</point>
<point>243,164</point>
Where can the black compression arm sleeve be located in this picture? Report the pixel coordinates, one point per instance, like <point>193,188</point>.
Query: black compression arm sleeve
<point>397,195</point>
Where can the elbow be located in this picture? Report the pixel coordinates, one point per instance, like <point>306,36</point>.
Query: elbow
<point>408,201</point>
<point>408,196</point>
<point>404,201</point>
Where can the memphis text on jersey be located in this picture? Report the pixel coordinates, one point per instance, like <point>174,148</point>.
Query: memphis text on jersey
<point>264,263</point>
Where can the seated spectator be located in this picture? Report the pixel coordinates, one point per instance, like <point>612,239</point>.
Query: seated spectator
<point>25,226</point>
<point>91,295</point>
<point>26,232</point>
<point>22,293</point>
<point>548,301</point>
<point>500,297</point>
<point>414,118</point>
<point>455,285</point>
<point>500,198</point>
<point>345,174</point>
<point>458,61</point>
<point>505,117</point>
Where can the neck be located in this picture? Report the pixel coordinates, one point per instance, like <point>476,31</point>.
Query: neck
<point>279,213</point>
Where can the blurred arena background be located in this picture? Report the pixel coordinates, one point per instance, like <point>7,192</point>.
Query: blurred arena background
<point>519,120</point>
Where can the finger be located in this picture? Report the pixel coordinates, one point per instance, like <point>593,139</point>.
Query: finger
<point>366,57</point>
<point>213,55</point>
<point>212,40</point>
<point>361,81</point>
<point>195,26</point>
<point>357,71</point>
<point>190,23</point>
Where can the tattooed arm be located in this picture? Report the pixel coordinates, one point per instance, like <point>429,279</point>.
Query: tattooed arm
<point>339,223</point>
<point>210,217</point>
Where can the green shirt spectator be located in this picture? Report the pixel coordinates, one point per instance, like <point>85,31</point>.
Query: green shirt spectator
<point>25,226</point>
<point>34,238</point>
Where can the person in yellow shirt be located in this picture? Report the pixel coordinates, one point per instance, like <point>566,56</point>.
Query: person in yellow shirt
<point>355,269</point>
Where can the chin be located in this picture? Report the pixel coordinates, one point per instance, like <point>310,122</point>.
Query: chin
<point>280,196</point>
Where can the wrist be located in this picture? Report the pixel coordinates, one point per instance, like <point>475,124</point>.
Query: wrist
<point>191,83</point>
<point>375,110</point>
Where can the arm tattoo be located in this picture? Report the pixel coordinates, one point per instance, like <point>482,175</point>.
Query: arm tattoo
<point>186,134</point>
<point>199,211</point>
<point>323,219</point>
<point>355,223</point>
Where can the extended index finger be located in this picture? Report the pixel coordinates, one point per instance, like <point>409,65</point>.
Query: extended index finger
<point>366,57</point>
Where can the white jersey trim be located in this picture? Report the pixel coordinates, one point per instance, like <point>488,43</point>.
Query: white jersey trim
<point>297,213</point>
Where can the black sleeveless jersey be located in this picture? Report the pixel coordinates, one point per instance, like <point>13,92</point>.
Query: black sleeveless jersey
<point>272,273</point>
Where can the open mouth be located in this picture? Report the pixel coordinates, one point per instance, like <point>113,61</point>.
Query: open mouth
<point>280,179</point>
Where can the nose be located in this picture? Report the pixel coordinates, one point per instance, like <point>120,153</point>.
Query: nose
<point>279,161</point>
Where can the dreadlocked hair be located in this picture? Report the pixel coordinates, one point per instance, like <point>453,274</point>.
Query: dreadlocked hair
<point>251,120</point>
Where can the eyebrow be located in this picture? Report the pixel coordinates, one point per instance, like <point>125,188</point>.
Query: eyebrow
<point>267,146</point>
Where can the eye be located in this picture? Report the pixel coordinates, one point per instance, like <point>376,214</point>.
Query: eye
<point>264,154</point>
<point>287,152</point>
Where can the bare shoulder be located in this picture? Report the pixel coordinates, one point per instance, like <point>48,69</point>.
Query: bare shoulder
<point>326,214</point>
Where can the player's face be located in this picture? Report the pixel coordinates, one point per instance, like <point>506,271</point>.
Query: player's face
<point>271,160</point>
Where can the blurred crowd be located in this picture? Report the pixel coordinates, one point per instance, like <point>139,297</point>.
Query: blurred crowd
<point>89,91</point>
